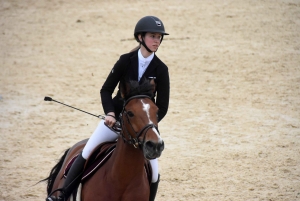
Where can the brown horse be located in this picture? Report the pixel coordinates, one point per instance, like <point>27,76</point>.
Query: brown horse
<point>123,176</point>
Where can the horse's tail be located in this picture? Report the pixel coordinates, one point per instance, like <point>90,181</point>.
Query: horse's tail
<point>54,172</point>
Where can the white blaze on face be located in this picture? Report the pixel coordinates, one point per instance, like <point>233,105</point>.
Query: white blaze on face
<point>146,108</point>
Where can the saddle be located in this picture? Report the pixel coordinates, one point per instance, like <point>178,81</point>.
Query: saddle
<point>98,158</point>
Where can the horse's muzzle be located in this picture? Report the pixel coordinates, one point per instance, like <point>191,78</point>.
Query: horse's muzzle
<point>152,149</point>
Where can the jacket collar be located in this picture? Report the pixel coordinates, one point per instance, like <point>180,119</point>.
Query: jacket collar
<point>135,64</point>
<point>143,59</point>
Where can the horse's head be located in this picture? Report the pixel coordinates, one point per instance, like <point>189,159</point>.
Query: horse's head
<point>139,119</point>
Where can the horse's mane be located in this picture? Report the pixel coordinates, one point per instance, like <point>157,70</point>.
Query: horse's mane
<point>135,88</point>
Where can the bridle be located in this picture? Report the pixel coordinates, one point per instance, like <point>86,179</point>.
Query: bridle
<point>124,132</point>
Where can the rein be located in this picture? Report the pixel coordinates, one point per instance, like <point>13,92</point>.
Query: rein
<point>134,140</point>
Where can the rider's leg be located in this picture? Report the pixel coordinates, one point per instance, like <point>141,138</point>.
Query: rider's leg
<point>72,180</point>
<point>155,179</point>
<point>100,135</point>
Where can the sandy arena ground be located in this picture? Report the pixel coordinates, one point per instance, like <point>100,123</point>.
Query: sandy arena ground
<point>233,127</point>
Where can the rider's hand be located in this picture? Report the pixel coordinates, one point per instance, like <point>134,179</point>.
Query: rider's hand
<point>110,119</point>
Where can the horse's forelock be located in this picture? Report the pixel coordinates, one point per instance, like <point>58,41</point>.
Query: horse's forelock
<point>145,88</point>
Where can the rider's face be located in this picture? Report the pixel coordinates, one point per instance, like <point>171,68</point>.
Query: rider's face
<point>152,40</point>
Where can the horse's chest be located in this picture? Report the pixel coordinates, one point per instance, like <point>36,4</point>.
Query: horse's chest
<point>116,191</point>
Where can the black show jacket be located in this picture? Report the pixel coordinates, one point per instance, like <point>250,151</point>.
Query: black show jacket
<point>156,70</point>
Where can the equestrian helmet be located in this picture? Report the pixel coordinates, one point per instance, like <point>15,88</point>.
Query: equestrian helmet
<point>149,24</point>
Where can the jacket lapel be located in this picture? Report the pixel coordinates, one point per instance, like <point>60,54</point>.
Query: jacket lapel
<point>135,66</point>
<point>152,66</point>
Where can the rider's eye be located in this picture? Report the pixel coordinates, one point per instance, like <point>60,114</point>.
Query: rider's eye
<point>130,114</point>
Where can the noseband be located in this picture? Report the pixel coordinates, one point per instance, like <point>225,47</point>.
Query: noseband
<point>134,140</point>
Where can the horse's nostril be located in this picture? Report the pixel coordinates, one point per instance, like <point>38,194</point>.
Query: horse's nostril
<point>162,146</point>
<point>152,149</point>
<point>150,145</point>
<point>155,146</point>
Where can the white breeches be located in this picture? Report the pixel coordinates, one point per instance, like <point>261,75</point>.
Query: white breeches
<point>104,134</point>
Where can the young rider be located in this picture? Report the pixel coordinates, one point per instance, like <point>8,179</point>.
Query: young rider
<point>141,63</point>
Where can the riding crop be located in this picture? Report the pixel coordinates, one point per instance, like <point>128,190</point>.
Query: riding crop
<point>98,116</point>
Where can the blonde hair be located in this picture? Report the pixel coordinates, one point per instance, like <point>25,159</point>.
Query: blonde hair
<point>136,48</point>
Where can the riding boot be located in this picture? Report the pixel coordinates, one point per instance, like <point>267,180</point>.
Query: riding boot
<point>72,181</point>
<point>153,189</point>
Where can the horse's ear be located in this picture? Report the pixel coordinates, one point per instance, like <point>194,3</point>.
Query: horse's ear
<point>124,89</point>
<point>152,83</point>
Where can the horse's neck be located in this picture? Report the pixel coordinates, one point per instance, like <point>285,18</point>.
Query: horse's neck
<point>127,160</point>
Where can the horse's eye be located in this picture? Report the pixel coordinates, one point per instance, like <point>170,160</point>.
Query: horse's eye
<point>130,114</point>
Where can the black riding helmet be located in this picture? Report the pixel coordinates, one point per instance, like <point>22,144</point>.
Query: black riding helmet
<point>150,24</point>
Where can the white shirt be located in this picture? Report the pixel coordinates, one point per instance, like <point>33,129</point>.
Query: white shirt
<point>143,63</point>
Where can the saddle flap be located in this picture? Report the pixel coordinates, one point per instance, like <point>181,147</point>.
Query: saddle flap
<point>98,158</point>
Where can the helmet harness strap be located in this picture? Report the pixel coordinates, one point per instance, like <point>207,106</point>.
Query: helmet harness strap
<point>144,44</point>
